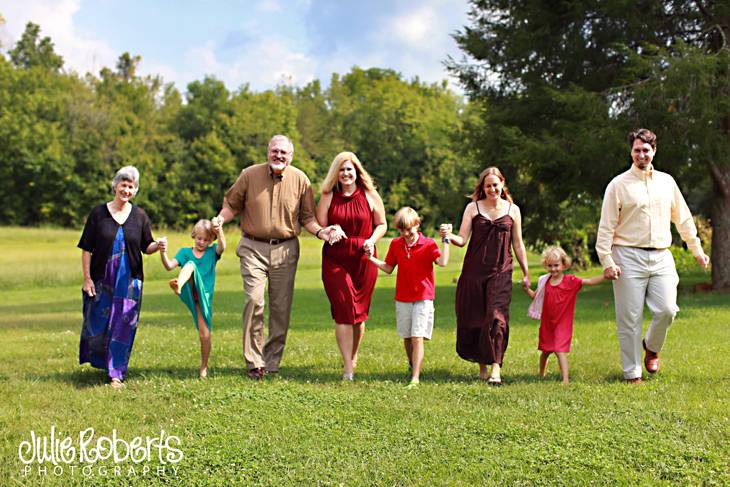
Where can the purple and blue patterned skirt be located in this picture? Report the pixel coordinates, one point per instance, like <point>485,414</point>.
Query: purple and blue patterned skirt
<point>111,317</point>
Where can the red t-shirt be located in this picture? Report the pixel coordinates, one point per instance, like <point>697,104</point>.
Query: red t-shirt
<point>415,268</point>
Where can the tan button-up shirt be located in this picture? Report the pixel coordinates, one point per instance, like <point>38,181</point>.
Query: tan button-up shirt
<point>271,206</point>
<point>637,210</point>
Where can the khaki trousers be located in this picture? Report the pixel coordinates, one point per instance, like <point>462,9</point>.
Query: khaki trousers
<point>646,275</point>
<point>262,262</point>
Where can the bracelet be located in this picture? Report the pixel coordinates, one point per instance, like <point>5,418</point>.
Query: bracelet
<point>317,234</point>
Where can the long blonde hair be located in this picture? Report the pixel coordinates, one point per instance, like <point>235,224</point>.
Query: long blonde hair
<point>479,193</point>
<point>330,182</point>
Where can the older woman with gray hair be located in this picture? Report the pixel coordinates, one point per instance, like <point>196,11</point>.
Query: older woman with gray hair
<point>114,237</point>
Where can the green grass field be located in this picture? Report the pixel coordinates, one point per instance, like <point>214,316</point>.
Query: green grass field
<point>307,427</point>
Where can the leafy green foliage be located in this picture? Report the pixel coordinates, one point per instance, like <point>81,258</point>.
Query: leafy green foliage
<point>33,51</point>
<point>67,136</point>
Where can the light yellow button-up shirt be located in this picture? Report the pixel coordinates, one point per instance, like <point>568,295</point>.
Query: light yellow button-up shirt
<point>637,210</point>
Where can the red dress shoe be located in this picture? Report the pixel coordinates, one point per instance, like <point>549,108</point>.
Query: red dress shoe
<point>635,380</point>
<point>651,359</point>
<point>256,373</point>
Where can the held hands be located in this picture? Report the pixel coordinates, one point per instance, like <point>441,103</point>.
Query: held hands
<point>526,282</point>
<point>612,273</point>
<point>162,244</point>
<point>217,222</point>
<point>445,230</point>
<point>333,234</point>
<point>368,247</point>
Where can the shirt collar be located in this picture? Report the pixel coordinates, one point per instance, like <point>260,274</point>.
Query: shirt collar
<point>643,175</point>
<point>274,176</point>
<point>420,241</point>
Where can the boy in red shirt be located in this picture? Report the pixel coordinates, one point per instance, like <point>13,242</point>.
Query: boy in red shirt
<point>414,285</point>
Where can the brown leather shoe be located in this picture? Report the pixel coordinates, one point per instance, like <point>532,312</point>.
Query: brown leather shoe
<point>635,380</point>
<point>256,373</point>
<point>651,359</point>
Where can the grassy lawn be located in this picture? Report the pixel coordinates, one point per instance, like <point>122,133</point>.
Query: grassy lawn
<point>307,427</point>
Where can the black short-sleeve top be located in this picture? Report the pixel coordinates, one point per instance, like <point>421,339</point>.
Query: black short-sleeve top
<point>100,231</point>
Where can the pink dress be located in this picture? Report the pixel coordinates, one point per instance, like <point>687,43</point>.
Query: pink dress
<point>558,311</point>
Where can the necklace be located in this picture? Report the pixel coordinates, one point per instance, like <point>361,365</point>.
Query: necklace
<point>408,248</point>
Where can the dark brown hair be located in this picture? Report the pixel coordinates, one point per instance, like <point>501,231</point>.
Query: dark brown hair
<point>645,135</point>
<point>479,193</point>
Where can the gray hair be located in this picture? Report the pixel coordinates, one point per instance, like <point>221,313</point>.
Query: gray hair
<point>284,138</point>
<point>127,173</point>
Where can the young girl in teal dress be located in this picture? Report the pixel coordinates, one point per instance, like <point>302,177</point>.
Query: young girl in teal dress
<point>196,281</point>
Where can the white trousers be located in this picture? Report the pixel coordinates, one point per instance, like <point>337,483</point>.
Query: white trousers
<point>646,275</point>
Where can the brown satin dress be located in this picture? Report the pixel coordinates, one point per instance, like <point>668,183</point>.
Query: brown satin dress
<point>484,291</point>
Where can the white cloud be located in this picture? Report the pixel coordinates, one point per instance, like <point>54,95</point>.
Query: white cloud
<point>55,18</point>
<point>263,64</point>
<point>415,27</point>
<point>268,6</point>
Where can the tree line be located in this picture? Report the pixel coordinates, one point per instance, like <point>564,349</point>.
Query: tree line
<point>551,89</point>
<point>65,135</point>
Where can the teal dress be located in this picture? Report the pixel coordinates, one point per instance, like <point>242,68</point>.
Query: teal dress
<point>202,284</point>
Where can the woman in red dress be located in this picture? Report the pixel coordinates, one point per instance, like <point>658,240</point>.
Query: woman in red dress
<point>349,199</point>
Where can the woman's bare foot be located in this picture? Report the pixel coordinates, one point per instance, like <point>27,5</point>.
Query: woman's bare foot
<point>117,384</point>
<point>203,372</point>
<point>174,286</point>
<point>495,378</point>
<point>483,372</point>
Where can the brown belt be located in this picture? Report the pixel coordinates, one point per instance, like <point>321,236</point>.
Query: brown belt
<point>648,248</point>
<point>270,241</point>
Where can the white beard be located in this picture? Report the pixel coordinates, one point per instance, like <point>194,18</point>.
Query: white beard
<point>277,167</point>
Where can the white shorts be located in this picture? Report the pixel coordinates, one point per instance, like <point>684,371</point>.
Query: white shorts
<point>414,319</point>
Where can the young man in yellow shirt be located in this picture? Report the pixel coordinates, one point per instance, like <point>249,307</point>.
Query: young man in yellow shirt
<point>633,242</point>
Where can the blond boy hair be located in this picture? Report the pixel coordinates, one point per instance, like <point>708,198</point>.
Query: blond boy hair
<point>406,218</point>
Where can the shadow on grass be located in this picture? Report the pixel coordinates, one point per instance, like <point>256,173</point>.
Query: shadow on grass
<point>89,378</point>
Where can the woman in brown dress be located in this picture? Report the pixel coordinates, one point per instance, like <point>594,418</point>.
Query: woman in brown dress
<point>484,291</point>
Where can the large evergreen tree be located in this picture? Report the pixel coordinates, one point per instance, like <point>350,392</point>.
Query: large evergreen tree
<point>563,82</point>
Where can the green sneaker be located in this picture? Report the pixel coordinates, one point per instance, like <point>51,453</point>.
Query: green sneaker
<point>412,385</point>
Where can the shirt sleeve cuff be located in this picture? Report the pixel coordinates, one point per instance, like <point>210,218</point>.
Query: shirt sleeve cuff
<point>606,261</point>
<point>696,249</point>
<point>227,206</point>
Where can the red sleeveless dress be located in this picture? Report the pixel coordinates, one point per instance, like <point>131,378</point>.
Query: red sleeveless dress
<point>348,276</point>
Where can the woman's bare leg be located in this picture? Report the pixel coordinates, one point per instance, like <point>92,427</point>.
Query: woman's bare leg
<point>358,331</point>
<point>345,341</point>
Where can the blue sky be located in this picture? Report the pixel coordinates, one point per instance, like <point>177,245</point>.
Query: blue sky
<point>260,42</point>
